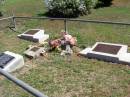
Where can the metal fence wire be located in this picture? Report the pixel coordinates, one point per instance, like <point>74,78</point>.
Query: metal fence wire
<point>87,31</point>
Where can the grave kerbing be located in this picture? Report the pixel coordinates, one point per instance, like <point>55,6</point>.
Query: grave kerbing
<point>110,52</point>
<point>34,35</point>
<point>10,61</point>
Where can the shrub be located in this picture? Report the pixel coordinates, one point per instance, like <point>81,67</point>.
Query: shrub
<point>1,2</point>
<point>104,3</point>
<point>69,8</point>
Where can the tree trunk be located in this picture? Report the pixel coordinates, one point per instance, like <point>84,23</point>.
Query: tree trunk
<point>1,14</point>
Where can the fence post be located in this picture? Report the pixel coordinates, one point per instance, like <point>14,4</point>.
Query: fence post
<point>65,25</point>
<point>14,21</point>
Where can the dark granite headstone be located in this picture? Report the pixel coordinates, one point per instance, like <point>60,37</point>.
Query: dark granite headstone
<point>5,59</point>
<point>32,32</point>
<point>105,48</point>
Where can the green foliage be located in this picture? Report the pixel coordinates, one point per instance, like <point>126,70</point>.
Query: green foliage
<point>69,8</point>
<point>104,3</point>
<point>1,2</point>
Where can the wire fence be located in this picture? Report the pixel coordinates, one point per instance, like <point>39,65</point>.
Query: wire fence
<point>87,31</point>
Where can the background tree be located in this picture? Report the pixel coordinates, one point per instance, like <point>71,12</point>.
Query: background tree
<point>69,8</point>
<point>1,2</point>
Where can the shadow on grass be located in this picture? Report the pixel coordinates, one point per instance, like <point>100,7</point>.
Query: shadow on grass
<point>56,15</point>
<point>104,3</point>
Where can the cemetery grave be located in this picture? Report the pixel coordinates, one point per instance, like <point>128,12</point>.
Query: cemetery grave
<point>81,77</point>
<point>10,61</point>
<point>109,52</point>
<point>4,59</point>
<point>34,51</point>
<point>35,35</point>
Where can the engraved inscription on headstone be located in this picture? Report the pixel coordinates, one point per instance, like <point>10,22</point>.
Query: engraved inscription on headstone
<point>10,61</point>
<point>34,52</point>
<point>34,49</point>
<point>111,49</point>
<point>31,32</point>
<point>5,59</point>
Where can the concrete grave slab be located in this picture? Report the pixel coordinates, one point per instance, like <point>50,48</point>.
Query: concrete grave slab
<point>35,35</point>
<point>34,51</point>
<point>10,61</point>
<point>110,52</point>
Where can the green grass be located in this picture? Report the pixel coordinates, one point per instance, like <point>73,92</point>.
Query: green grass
<point>111,14</point>
<point>55,75</point>
<point>24,7</point>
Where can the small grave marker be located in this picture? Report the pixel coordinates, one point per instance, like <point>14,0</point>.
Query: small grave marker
<point>34,52</point>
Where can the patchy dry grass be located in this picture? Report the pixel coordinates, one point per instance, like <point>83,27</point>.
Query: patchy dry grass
<point>53,74</point>
<point>81,77</point>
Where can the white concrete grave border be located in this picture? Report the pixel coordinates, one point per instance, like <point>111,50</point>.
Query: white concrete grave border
<point>14,64</point>
<point>39,36</point>
<point>121,57</point>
